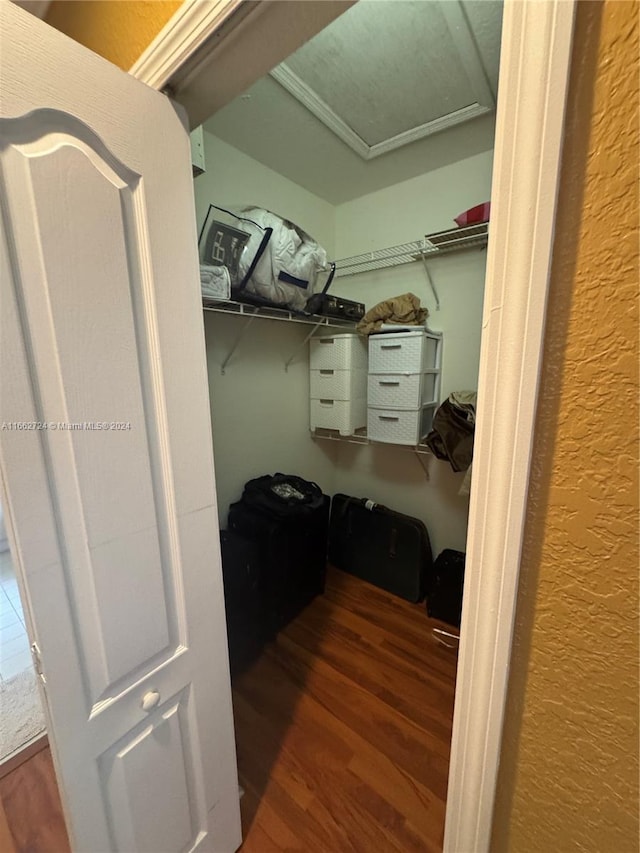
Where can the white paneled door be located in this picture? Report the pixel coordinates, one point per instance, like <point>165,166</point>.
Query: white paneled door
<point>105,447</point>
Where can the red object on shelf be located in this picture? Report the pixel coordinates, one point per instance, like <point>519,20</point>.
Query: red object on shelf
<point>479,213</point>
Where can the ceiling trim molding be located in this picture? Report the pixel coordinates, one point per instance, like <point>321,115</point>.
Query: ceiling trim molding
<point>38,8</point>
<point>188,29</point>
<point>427,129</point>
<point>310,99</point>
<point>470,56</point>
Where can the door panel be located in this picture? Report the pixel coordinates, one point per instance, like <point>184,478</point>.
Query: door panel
<point>151,783</point>
<point>110,484</point>
<point>109,515</point>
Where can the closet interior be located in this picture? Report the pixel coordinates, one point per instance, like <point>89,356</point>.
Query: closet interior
<point>372,138</point>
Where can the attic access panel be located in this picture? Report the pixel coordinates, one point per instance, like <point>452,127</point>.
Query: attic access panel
<point>385,74</point>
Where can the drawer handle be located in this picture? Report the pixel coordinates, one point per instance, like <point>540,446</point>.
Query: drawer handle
<point>326,340</point>
<point>326,402</point>
<point>326,373</point>
<point>387,418</point>
<point>389,383</point>
<point>391,346</point>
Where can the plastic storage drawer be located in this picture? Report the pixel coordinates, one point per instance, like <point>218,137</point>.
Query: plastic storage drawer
<point>395,426</point>
<point>346,416</point>
<point>340,352</point>
<point>400,390</point>
<point>405,352</point>
<point>337,384</point>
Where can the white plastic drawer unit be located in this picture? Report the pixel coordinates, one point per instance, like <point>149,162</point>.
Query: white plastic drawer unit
<point>340,352</point>
<point>327,383</point>
<point>401,390</point>
<point>402,352</point>
<point>346,416</point>
<point>395,426</point>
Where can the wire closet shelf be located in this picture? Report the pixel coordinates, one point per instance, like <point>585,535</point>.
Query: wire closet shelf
<point>433,245</point>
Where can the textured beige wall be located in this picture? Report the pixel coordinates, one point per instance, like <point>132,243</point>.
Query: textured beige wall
<point>119,30</point>
<point>569,771</point>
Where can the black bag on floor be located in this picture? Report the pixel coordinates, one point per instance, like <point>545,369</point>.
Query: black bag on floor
<point>282,495</point>
<point>247,623</point>
<point>386,548</point>
<point>290,532</point>
<point>444,601</point>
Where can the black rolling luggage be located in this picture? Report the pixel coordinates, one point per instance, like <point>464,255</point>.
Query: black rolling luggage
<point>287,519</point>
<point>381,546</point>
<point>444,601</point>
<point>247,626</point>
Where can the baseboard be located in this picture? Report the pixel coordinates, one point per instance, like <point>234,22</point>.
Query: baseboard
<point>15,759</point>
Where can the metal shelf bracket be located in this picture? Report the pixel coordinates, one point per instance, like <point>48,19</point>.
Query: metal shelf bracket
<point>301,346</point>
<point>239,337</point>
<point>424,463</point>
<point>430,279</point>
<point>250,312</point>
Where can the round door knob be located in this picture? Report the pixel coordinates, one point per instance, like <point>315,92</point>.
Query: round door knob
<point>150,700</point>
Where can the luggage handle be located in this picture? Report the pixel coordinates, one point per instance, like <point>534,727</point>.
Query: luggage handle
<point>332,272</point>
<point>387,418</point>
<point>390,346</point>
<point>388,383</point>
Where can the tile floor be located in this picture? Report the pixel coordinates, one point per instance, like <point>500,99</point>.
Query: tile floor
<point>14,643</point>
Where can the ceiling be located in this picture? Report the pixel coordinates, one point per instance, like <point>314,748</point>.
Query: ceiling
<point>38,8</point>
<point>388,91</point>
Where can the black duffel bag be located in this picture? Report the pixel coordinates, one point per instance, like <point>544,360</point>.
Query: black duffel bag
<point>282,495</point>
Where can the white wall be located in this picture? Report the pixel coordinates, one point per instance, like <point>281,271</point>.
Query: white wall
<point>260,413</point>
<point>400,214</point>
<point>232,177</point>
<point>410,209</point>
<point>406,212</point>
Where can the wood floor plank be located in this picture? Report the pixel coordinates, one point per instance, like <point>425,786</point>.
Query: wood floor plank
<point>435,662</point>
<point>6,838</point>
<point>405,624</point>
<point>398,683</point>
<point>269,832</point>
<point>343,728</point>
<point>31,803</point>
<point>418,751</point>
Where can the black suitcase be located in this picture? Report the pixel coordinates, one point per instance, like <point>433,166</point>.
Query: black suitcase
<point>247,623</point>
<point>292,541</point>
<point>386,548</point>
<point>444,600</point>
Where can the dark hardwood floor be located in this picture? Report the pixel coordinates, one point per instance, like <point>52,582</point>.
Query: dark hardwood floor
<point>343,728</point>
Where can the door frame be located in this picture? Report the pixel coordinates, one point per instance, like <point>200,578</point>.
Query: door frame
<point>534,76</point>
